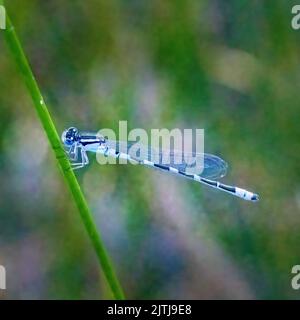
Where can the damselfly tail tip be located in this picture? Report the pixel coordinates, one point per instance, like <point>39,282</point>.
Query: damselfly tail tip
<point>255,197</point>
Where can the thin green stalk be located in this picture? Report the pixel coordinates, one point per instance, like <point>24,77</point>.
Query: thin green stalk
<point>54,140</point>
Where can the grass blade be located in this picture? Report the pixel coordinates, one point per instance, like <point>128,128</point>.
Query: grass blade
<point>54,140</point>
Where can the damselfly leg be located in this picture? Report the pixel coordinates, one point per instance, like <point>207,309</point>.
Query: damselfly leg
<point>73,152</point>
<point>78,156</point>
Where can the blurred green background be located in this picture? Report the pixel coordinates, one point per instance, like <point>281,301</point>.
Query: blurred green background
<point>230,67</point>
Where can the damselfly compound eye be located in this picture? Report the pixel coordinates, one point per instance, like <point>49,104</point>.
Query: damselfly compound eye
<point>69,136</point>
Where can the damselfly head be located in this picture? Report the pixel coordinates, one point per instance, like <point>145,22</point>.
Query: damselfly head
<point>70,136</point>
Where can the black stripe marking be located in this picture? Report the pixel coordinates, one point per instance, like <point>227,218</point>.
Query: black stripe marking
<point>85,143</point>
<point>209,182</point>
<point>186,174</point>
<point>227,188</point>
<point>161,167</point>
<point>88,137</point>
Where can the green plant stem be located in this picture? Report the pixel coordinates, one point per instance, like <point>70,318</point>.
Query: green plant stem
<point>54,140</point>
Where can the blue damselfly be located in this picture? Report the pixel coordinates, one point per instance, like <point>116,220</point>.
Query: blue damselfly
<point>79,143</point>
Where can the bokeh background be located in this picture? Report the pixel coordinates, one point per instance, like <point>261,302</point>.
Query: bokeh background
<point>230,67</point>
